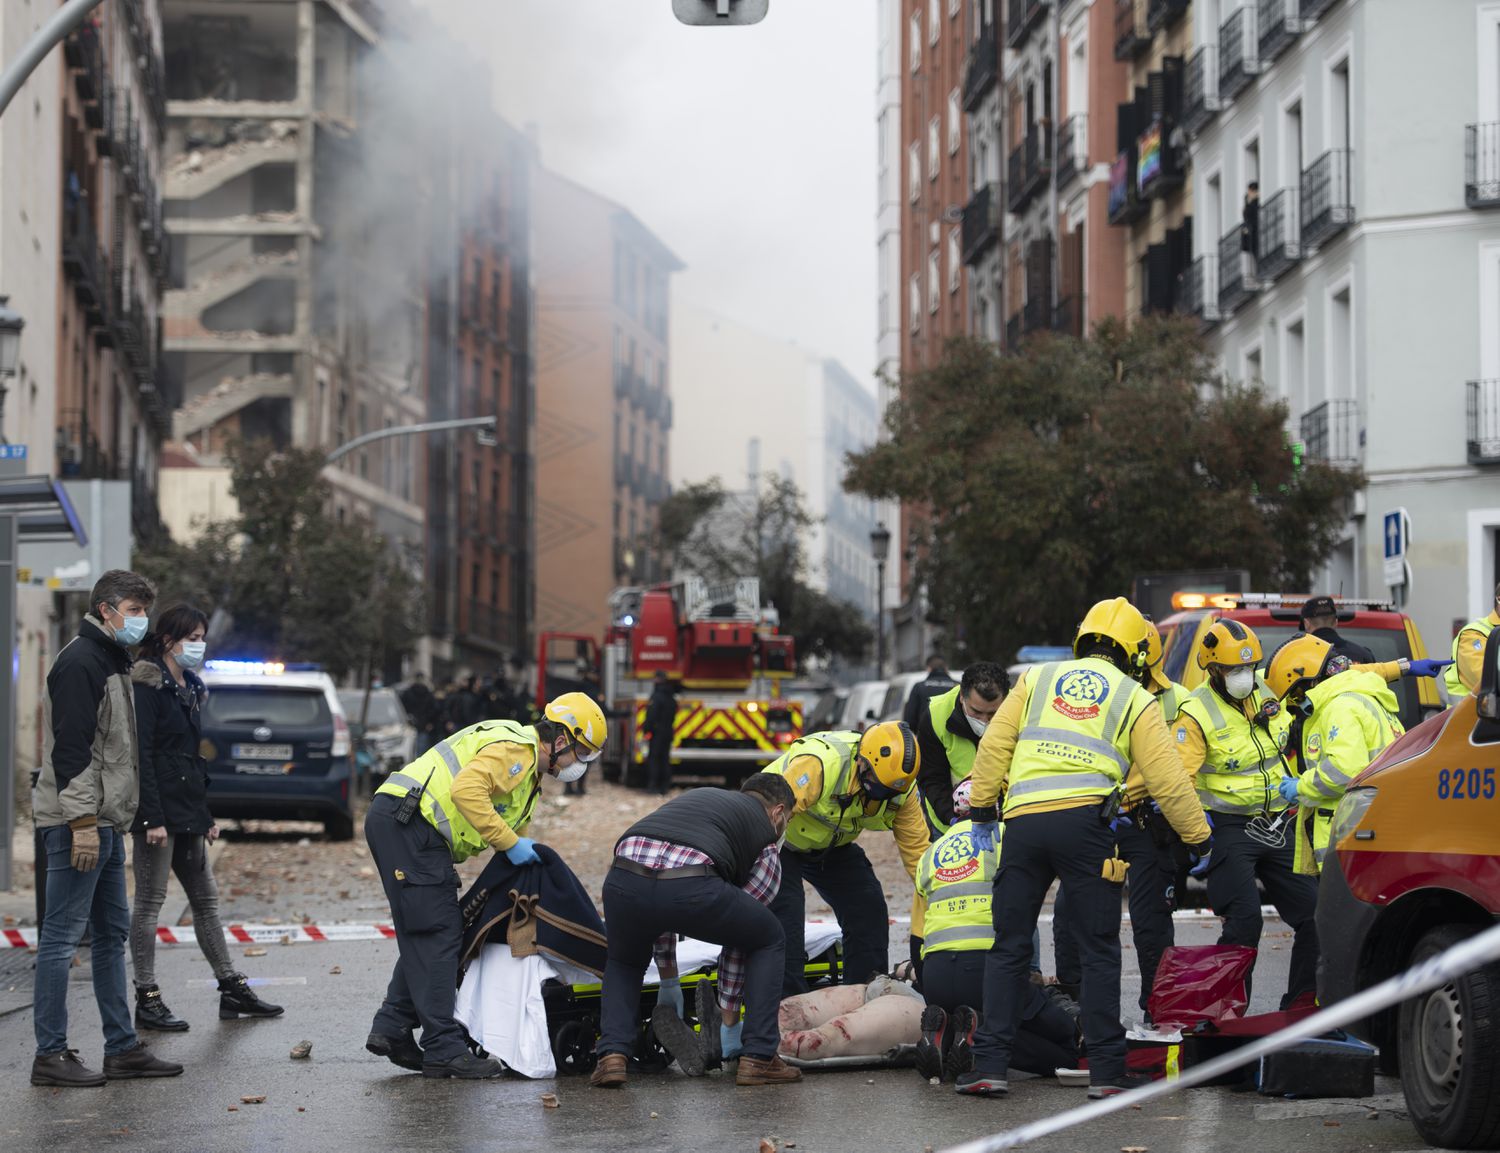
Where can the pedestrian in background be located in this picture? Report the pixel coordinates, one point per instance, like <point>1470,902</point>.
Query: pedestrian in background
<point>173,826</point>
<point>660,727</point>
<point>84,801</point>
<point>936,683</point>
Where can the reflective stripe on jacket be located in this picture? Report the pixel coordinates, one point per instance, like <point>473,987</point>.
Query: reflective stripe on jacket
<point>958,883</point>
<point>1242,766</point>
<point>838,816</point>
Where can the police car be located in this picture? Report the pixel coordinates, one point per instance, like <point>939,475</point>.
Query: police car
<point>276,740</point>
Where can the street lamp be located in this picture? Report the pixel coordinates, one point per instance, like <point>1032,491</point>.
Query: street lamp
<point>880,548</point>
<point>11,323</point>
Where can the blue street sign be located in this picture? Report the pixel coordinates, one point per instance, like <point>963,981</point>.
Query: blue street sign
<point>12,452</point>
<point>1395,535</point>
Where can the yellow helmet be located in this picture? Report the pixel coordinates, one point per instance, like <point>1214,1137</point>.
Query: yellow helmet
<point>583,720</point>
<point>1303,658</point>
<point>1230,645</point>
<point>1121,622</point>
<point>889,750</point>
<point>1156,679</point>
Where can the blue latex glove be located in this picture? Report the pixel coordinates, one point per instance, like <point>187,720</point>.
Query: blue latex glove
<point>670,993</point>
<point>523,852</point>
<point>1200,859</point>
<point>729,1039</point>
<point>1288,789</point>
<point>985,833</point>
<point>1427,668</point>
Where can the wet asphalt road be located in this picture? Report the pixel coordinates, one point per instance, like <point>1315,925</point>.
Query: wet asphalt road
<point>344,1099</point>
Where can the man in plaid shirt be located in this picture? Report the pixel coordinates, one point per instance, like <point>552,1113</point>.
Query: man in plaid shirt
<point>704,865</point>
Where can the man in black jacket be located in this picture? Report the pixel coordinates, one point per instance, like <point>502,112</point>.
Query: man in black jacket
<point>84,801</point>
<point>1320,617</point>
<point>660,727</point>
<point>680,870</point>
<point>937,683</point>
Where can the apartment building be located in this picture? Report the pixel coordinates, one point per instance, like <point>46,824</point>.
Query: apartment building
<point>1363,285</point>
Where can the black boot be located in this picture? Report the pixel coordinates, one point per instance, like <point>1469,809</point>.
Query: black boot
<point>151,1012</point>
<point>236,999</point>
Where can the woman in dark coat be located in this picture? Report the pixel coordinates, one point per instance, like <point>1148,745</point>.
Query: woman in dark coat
<point>173,826</point>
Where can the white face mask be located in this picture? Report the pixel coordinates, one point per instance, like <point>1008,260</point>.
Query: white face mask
<point>572,772</point>
<point>1239,683</point>
<point>976,724</point>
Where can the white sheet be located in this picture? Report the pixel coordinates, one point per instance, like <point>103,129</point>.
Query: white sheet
<point>500,1001</point>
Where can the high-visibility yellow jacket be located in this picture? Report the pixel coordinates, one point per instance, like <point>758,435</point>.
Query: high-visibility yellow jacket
<point>1462,676</point>
<point>957,880</point>
<point>1239,764</point>
<point>960,753</point>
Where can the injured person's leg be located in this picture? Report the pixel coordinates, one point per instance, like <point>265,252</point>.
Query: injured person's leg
<point>810,1010</point>
<point>864,1029</point>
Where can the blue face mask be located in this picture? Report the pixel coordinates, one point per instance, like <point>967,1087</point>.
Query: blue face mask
<point>192,653</point>
<point>132,631</point>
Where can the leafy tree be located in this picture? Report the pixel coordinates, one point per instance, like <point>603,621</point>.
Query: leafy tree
<point>1053,477</point>
<point>295,584</point>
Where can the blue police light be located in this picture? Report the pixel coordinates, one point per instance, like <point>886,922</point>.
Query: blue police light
<point>246,668</point>
<point>1040,654</point>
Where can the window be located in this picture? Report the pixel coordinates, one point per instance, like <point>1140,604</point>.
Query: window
<point>1338,105</point>
<point>1294,367</point>
<point>934,280</point>
<point>955,121</point>
<point>1291,145</point>
<point>955,261</point>
<point>934,21</point>
<point>1340,345</point>
<point>914,35</point>
<point>934,152</point>
<point>1254,374</point>
<point>914,303</point>
<point>914,172</point>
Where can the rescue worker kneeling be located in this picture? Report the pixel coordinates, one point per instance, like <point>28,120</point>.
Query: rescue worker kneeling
<point>1063,742</point>
<point>477,788</point>
<point>957,877</point>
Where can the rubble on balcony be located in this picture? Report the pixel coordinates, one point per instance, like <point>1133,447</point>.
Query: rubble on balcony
<point>235,149</point>
<point>227,398</point>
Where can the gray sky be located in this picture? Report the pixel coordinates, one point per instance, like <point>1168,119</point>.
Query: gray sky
<point>750,151</point>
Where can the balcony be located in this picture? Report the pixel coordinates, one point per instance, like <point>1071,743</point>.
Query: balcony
<point>1125,203</point>
<point>1072,148</point>
<point>1279,26</point>
<point>1067,317</point>
<point>84,262</point>
<point>1312,9</point>
<point>1482,165</point>
<point>1131,36</point>
<point>1326,206</point>
<point>1159,164</point>
<point>1200,96</point>
<point>983,71</point>
<point>1200,291</point>
<point>1484,421</point>
<point>1030,167</point>
<point>1238,63</point>
<point>1237,282</point>
<point>1013,332</point>
<point>624,470</point>
<point>80,456</point>
<point>638,478</point>
<point>1160,13</point>
<point>1280,242</point>
<point>1021,16</point>
<point>981,226</point>
<point>1330,433</point>
<point>84,53</point>
<point>489,626</point>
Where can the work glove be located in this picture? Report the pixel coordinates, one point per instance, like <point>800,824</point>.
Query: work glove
<point>670,993</point>
<point>85,856</point>
<point>729,1039</point>
<point>1288,789</point>
<point>985,833</point>
<point>523,852</point>
<point>1199,857</point>
<point>1426,668</point>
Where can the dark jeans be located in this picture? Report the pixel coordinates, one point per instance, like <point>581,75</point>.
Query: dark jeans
<point>845,879</point>
<point>1238,859</point>
<point>1150,888</point>
<point>659,765</point>
<point>638,910</point>
<point>429,929</point>
<point>1071,845</point>
<point>74,901</point>
<point>1046,1039</point>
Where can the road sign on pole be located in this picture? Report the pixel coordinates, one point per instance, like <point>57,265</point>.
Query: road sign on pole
<point>1397,526</point>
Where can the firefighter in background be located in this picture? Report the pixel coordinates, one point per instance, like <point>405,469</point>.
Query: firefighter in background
<point>660,726</point>
<point>845,784</point>
<point>1348,718</point>
<point>948,732</point>
<point>1058,751</point>
<point>1468,653</point>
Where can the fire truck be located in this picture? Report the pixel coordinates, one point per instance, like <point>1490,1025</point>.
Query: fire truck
<point>718,645</point>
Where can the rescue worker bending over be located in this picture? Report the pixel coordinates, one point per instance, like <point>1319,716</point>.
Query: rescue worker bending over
<point>477,788</point>
<point>1062,743</point>
<point>1468,653</point>
<point>1231,734</point>
<point>1349,717</point>
<point>957,878</point>
<point>846,783</point>
<point>948,732</point>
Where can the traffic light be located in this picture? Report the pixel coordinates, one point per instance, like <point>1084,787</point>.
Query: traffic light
<point>720,13</point>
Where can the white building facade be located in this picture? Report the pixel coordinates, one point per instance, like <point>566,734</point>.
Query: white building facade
<point>1367,295</point>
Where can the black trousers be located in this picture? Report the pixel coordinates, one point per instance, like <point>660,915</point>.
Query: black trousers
<point>1046,1039</point>
<point>1150,884</point>
<point>1238,860</point>
<point>421,884</point>
<point>638,910</point>
<point>1071,845</point>
<point>845,879</point>
<point>659,764</point>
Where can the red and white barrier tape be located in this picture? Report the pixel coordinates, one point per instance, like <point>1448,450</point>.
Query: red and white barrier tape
<point>241,935</point>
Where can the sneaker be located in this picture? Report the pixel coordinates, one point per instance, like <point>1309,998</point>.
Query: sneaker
<point>138,1062</point>
<point>959,1059</point>
<point>64,1071</point>
<point>765,1071</point>
<point>1118,1085</point>
<point>977,1084</point>
<point>933,1041</point>
<point>402,1051</point>
<point>465,1067</point>
<point>678,1039</point>
<point>609,1073</point>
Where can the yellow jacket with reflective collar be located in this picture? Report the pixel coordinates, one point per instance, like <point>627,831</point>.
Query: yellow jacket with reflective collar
<point>1462,676</point>
<point>838,814</point>
<point>1242,764</point>
<point>957,881</point>
<point>960,753</point>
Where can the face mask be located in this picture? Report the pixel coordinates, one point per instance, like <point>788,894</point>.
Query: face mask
<point>191,655</point>
<point>976,724</point>
<point>1239,683</point>
<point>132,631</point>
<point>572,772</point>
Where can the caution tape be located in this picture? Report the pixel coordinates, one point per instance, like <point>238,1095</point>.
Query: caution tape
<point>241,935</point>
<point>1462,958</point>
